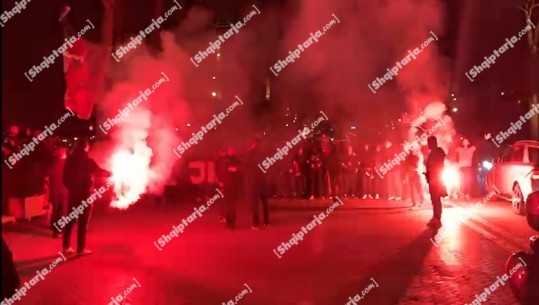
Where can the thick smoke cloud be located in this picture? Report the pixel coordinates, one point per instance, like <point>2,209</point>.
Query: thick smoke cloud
<point>331,75</point>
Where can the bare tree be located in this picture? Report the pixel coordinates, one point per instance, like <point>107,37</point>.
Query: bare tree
<point>529,8</point>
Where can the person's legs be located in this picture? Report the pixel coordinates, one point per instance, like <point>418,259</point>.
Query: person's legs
<point>312,183</point>
<point>397,184</point>
<point>83,220</point>
<point>335,185</point>
<point>367,184</point>
<point>436,204</point>
<point>265,206</point>
<point>255,194</point>
<point>299,186</point>
<point>388,182</point>
<point>232,194</point>
<point>317,183</point>
<point>56,211</point>
<point>377,186</point>
<point>468,173</point>
<point>66,243</point>
<point>72,200</point>
<point>233,203</point>
<point>229,213</point>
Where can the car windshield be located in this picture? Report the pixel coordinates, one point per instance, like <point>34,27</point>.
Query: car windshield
<point>533,154</point>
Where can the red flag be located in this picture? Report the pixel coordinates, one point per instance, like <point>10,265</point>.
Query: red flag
<point>77,96</point>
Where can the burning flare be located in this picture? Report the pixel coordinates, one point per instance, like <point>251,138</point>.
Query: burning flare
<point>131,174</point>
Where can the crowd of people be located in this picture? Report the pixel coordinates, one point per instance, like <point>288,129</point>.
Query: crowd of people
<point>320,167</point>
<point>324,168</point>
<point>26,174</point>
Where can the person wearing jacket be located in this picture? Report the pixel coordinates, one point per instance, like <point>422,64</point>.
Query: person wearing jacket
<point>258,185</point>
<point>57,189</point>
<point>79,174</point>
<point>232,186</point>
<point>435,166</point>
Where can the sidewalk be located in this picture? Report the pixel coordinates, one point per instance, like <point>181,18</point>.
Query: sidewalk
<point>353,204</point>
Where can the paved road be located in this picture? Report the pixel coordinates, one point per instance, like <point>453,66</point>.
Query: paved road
<point>376,246</point>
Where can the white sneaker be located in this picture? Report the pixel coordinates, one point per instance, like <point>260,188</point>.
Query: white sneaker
<point>364,197</point>
<point>85,252</point>
<point>377,196</point>
<point>391,198</point>
<point>68,250</point>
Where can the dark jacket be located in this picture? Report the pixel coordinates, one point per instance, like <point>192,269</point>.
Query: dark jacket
<point>435,166</point>
<point>79,173</point>
<point>254,173</point>
<point>56,181</point>
<point>232,178</point>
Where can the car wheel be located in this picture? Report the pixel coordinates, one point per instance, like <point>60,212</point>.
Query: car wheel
<point>519,206</point>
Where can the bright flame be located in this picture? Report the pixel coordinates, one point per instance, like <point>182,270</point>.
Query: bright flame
<point>131,174</point>
<point>488,165</point>
<point>451,177</point>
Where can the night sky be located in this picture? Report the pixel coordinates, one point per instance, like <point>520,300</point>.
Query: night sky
<point>28,36</point>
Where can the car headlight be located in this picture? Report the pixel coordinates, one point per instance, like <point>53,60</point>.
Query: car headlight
<point>487,165</point>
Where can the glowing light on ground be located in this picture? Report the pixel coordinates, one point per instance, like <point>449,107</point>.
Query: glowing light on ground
<point>451,177</point>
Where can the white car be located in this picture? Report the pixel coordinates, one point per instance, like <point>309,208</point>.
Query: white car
<point>516,174</point>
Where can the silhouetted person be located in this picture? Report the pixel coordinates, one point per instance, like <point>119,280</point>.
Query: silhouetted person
<point>302,172</point>
<point>10,277</point>
<point>467,171</point>
<point>366,177</point>
<point>57,189</point>
<point>435,166</point>
<point>334,170</point>
<point>258,185</point>
<point>412,179</point>
<point>221,171</point>
<point>486,151</point>
<point>315,172</point>
<point>79,174</point>
<point>231,186</point>
<point>349,172</point>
